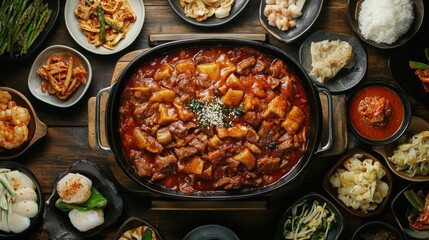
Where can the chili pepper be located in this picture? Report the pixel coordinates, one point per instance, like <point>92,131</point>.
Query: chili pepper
<point>417,198</point>
<point>409,195</point>
<point>96,201</point>
<point>418,65</point>
<point>148,234</point>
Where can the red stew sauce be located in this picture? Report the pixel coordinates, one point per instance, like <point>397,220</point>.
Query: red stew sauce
<point>215,118</point>
<point>393,116</point>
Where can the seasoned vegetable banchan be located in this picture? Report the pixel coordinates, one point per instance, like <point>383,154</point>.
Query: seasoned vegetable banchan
<point>139,233</point>
<point>309,221</point>
<point>359,184</point>
<point>21,22</point>
<point>18,201</point>
<point>83,202</point>
<point>105,22</point>
<point>418,214</point>
<point>62,74</point>
<point>422,70</point>
<point>412,155</point>
<point>215,118</point>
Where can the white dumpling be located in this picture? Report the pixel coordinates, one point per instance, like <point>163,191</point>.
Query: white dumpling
<point>20,180</point>
<point>222,12</point>
<point>74,188</point>
<point>86,220</point>
<point>26,208</point>
<point>25,193</point>
<point>18,223</point>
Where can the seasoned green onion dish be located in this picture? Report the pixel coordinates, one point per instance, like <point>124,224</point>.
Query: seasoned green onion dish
<point>309,221</point>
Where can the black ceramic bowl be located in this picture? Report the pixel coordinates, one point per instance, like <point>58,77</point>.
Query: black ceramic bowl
<point>400,206</point>
<point>236,9</point>
<point>134,222</point>
<point>333,233</point>
<point>113,121</point>
<point>373,229</point>
<point>353,13</point>
<point>55,6</point>
<point>397,124</point>
<point>211,231</point>
<point>21,168</point>
<point>58,224</point>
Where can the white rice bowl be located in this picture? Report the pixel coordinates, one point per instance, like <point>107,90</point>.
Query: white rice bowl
<point>384,21</point>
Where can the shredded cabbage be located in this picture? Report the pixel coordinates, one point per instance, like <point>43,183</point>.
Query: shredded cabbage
<point>413,155</point>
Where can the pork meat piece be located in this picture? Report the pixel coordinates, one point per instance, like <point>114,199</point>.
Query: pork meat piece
<point>185,152</point>
<point>268,165</point>
<point>245,67</point>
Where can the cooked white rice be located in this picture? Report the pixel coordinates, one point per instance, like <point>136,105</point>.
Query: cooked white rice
<point>384,21</point>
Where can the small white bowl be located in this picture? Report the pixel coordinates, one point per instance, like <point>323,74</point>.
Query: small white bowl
<point>35,81</point>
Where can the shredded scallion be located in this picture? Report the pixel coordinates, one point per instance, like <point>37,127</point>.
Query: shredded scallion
<point>309,222</point>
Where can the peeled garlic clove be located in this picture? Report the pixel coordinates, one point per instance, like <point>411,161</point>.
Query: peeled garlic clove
<point>19,180</point>
<point>25,193</point>
<point>18,223</point>
<point>86,220</point>
<point>222,12</point>
<point>26,208</point>
<point>210,12</point>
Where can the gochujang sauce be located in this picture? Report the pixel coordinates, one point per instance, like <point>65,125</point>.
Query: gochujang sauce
<point>214,118</point>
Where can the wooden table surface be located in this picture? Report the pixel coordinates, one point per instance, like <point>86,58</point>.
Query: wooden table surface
<point>67,139</point>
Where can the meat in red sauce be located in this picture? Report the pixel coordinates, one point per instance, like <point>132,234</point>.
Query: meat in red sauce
<point>375,111</point>
<point>214,118</point>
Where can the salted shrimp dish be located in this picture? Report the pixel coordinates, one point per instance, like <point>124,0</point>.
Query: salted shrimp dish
<point>14,122</point>
<point>282,13</point>
<point>105,22</point>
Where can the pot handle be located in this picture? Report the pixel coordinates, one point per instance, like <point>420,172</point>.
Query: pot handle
<point>98,118</point>
<point>329,141</point>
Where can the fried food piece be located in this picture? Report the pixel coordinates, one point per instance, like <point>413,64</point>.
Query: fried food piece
<point>329,57</point>
<point>74,188</point>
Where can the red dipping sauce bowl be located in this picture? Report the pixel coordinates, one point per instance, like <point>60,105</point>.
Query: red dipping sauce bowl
<point>396,121</point>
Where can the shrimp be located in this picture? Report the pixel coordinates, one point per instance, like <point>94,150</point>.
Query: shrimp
<point>12,136</point>
<point>20,115</point>
<point>5,98</point>
<point>13,122</point>
<point>281,13</point>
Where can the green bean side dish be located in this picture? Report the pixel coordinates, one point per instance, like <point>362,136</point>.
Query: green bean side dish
<point>21,21</point>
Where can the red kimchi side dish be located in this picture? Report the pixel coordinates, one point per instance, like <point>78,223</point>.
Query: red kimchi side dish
<point>418,214</point>
<point>214,118</point>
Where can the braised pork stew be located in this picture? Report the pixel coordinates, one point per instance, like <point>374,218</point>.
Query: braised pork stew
<point>210,118</point>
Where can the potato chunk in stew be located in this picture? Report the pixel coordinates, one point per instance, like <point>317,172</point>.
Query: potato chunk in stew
<point>215,118</point>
